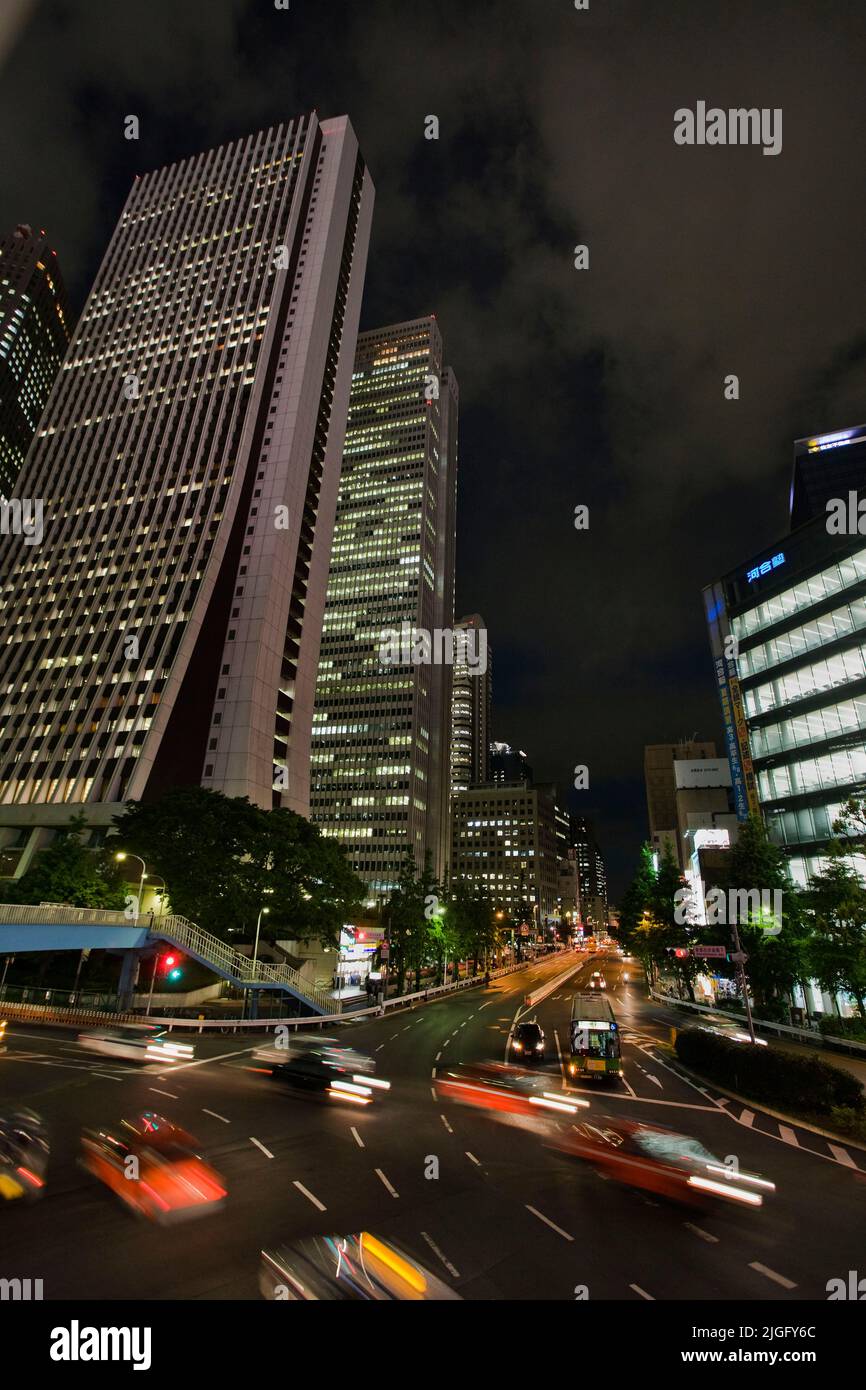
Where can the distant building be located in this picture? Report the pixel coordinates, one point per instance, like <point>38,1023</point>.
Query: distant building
<point>591,875</point>
<point>503,839</point>
<point>661,789</point>
<point>470,707</point>
<point>827,466</point>
<point>34,335</point>
<point>508,764</point>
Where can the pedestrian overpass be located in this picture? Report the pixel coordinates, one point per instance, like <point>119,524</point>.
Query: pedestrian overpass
<point>51,928</point>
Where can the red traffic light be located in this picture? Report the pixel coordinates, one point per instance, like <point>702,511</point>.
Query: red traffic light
<point>168,961</point>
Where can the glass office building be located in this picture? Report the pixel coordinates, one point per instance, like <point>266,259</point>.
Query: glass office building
<point>381,743</point>
<point>793,684</point>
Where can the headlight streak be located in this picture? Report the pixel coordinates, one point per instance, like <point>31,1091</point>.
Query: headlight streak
<point>749,1199</point>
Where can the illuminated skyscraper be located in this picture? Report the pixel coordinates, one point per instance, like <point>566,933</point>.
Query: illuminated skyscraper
<point>381,730</point>
<point>167,629</point>
<point>470,707</point>
<point>34,335</point>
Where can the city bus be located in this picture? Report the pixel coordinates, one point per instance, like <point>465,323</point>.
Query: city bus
<point>596,1050</point>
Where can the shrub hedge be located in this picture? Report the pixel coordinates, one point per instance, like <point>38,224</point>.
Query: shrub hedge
<point>805,1084</point>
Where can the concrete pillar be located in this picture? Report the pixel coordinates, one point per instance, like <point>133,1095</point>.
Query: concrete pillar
<point>128,977</point>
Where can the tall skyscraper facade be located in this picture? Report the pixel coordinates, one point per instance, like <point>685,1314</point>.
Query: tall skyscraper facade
<point>381,731</point>
<point>34,335</point>
<point>166,631</point>
<point>503,840</point>
<point>470,705</point>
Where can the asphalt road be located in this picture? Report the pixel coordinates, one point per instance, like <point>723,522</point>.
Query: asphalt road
<point>506,1218</point>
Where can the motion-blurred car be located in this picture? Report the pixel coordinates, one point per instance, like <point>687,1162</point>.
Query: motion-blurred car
<point>24,1151</point>
<point>527,1042</point>
<point>729,1028</point>
<point>322,1066</point>
<point>597,980</point>
<point>154,1167</point>
<point>660,1160</point>
<point>137,1043</point>
<point>498,1086</point>
<point>347,1267</point>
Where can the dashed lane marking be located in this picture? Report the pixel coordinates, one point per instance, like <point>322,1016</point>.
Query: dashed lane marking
<point>216,1116</point>
<point>643,1293</point>
<point>842,1155</point>
<point>358,1140</point>
<point>699,1231</point>
<point>771,1274</point>
<point>154,1090</point>
<point>747,1118</point>
<point>547,1221</point>
<point>309,1195</point>
<point>393,1191</point>
<point>455,1274</point>
<point>446,1124</point>
<point>259,1145</point>
<point>788,1135</point>
<point>476,1161</point>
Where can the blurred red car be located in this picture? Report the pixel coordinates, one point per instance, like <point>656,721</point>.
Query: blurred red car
<point>660,1160</point>
<point>497,1086</point>
<point>152,1166</point>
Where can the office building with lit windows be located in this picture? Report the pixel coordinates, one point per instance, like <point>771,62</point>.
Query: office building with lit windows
<point>34,335</point>
<point>470,705</point>
<point>788,637</point>
<point>381,742</point>
<point>504,841</point>
<point>166,631</point>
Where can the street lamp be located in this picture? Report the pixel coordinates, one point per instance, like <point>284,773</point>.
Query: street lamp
<point>265,911</point>
<point>161,895</point>
<point>120,856</point>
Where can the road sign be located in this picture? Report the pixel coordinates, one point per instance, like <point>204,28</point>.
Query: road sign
<point>719,951</point>
<point>385,950</point>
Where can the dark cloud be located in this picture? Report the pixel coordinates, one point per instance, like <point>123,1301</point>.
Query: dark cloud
<point>603,387</point>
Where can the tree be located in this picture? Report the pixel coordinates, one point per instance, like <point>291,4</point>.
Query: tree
<point>836,900</point>
<point>776,959</point>
<point>404,914</point>
<point>66,871</point>
<point>224,859</point>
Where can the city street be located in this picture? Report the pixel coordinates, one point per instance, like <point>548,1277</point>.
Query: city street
<point>507,1217</point>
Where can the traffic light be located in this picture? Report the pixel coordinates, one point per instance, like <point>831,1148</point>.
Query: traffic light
<point>172,969</point>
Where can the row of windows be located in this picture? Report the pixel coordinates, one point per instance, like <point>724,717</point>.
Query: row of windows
<point>842,622</point>
<point>846,717</point>
<point>843,767</point>
<point>835,579</point>
<point>808,680</point>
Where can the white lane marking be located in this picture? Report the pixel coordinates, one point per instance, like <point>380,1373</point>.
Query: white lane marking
<point>650,1077</point>
<point>561,1062</point>
<point>433,1092</point>
<point>456,1031</point>
<point>789,1136</point>
<point>154,1090</point>
<point>464,1023</point>
<point>771,1274</point>
<point>699,1231</point>
<point>476,1161</point>
<point>393,1191</point>
<point>547,1221</point>
<point>455,1273</point>
<point>433,1073</point>
<point>408,1026</point>
<point>216,1116</point>
<point>446,1042</point>
<point>393,1036</point>
<point>747,1118</point>
<point>267,1153</point>
<point>841,1155</point>
<point>379,1048</point>
<point>625,1081</point>
<point>309,1195</point>
<point>643,1293</point>
<point>484,1006</point>
<point>106,1077</point>
<point>358,1140</point>
<point>446,1124</point>
<point>438,1055</point>
<point>206,1061</point>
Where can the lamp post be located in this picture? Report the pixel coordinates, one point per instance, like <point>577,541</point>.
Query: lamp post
<point>120,856</point>
<point>161,895</point>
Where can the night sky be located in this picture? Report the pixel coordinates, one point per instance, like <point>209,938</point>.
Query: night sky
<point>604,386</point>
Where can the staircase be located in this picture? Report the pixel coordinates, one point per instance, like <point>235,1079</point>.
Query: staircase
<point>202,945</point>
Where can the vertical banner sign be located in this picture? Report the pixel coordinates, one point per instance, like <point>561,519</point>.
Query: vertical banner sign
<point>736,733</point>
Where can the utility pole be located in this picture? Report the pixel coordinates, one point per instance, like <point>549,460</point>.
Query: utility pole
<point>739,957</point>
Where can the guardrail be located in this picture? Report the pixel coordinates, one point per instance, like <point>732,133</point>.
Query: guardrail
<point>807,1035</point>
<point>72,1017</point>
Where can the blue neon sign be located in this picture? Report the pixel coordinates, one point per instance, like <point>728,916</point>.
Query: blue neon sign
<point>766,567</point>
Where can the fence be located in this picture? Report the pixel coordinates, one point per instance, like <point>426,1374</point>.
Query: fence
<point>763,1025</point>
